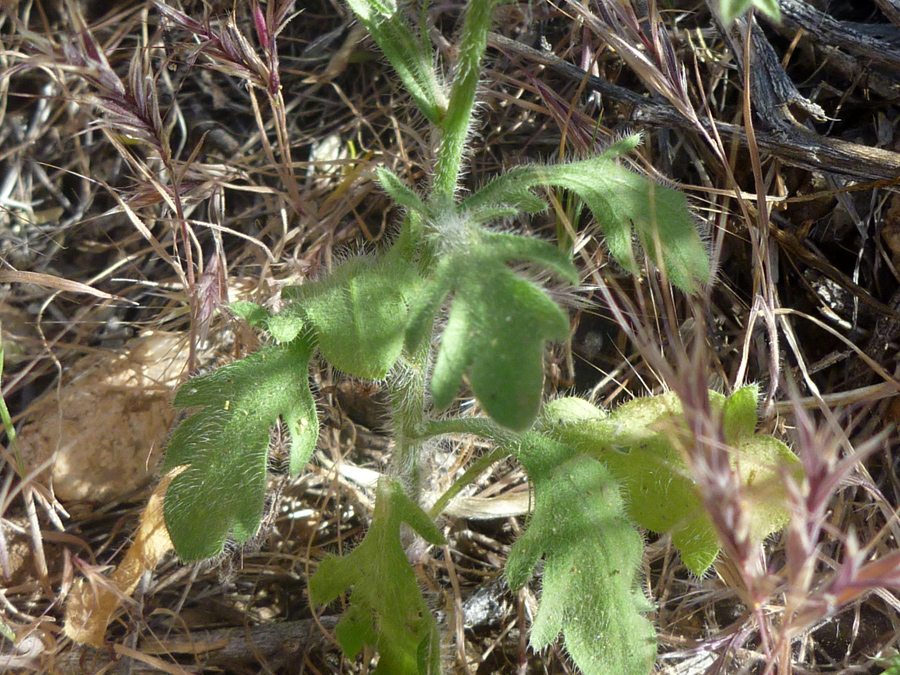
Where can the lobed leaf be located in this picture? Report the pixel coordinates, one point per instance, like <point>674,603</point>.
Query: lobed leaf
<point>498,324</point>
<point>408,53</point>
<point>387,610</point>
<point>625,204</point>
<point>511,247</point>
<point>399,191</point>
<point>357,315</point>
<point>592,555</point>
<point>290,322</point>
<point>254,314</point>
<point>497,328</point>
<point>739,414</point>
<point>634,442</point>
<point>424,308</point>
<point>223,446</point>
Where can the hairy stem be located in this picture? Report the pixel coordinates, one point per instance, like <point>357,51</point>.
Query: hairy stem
<point>484,427</point>
<point>406,389</point>
<point>477,468</point>
<point>455,125</point>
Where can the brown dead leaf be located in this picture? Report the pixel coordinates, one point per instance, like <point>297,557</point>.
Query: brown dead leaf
<point>91,606</point>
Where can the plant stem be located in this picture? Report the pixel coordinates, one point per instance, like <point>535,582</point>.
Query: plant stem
<point>478,467</point>
<point>477,426</point>
<point>455,125</point>
<point>484,427</point>
<point>406,389</point>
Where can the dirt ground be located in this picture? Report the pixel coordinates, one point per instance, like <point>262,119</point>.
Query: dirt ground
<point>104,309</point>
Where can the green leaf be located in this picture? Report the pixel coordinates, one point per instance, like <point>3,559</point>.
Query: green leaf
<point>424,308</point>
<point>623,146</point>
<point>409,54</point>
<point>255,315</point>
<point>625,204</point>
<point>399,191</point>
<point>891,665</point>
<point>567,410</point>
<point>223,446</point>
<point>660,492</point>
<point>634,442</point>
<point>387,610</point>
<point>731,9</point>
<point>357,315</point>
<point>512,189</point>
<point>592,557</point>
<point>739,416</point>
<point>290,322</point>
<point>497,327</point>
<point>498,323</point>
<point>494,212</point>
<point>512,247</point>
<point>5,629</point>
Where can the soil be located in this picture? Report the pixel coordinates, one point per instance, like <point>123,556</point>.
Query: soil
<point>105,311</point>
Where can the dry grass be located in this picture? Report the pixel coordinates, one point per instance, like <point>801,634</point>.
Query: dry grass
<point>158,163</point>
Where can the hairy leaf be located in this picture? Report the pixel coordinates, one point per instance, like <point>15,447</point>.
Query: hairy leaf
<point>625,204</point>
<point>357,314</point>
<point>739,414</point>
<point>634,442</point>
<point>497,328</point>
<point>254,314</point>
<point>514,187</point>
<point>387,610</point>
<point>223,446</point>
<point>408,52</point>
<point>498,324</point>
<point>291,320</point>
<point>400,192</point>
<point>424,308</point>
<point>592,556</point>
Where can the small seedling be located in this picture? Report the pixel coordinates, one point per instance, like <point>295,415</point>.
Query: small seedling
<point>381,317</point>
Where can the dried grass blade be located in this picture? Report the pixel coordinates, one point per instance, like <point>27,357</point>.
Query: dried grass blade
<point>58,283</point>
